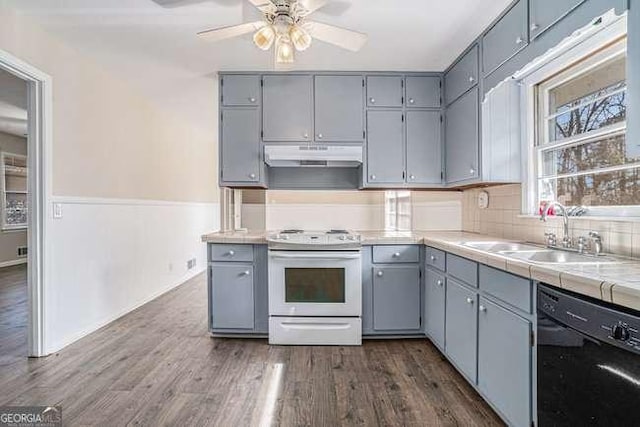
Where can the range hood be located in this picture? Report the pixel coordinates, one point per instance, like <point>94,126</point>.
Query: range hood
<point>336,156</point>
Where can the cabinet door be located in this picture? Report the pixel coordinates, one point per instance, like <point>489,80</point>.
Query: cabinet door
<point>240,145</point>
<point>424,147</point>
<point>384,91</point>
<point>543,13</point>
<point>462,76</point>
<point>240,90</point>
<point>461,138</point>
<point>385,147</point>
<point>287,106</point>
<point>504,376</point>
<point>506,38</point>
<point>396,298</point>
<point>423,92</point>
<point>232,304</point>
<point>461,327</point>
<point>434,306</point>
<point>339,109</point>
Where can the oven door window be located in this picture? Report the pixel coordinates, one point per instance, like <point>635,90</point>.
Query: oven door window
<point>314,285</point>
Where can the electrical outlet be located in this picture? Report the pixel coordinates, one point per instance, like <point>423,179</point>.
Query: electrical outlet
<point>22,251</point>
<point>57,210</point>
<point>191,263</point>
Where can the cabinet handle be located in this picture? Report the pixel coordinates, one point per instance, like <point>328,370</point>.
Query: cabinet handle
<point>469,300</point>
<point>482,308</point>
<point>379,274</point>
<point>252,175</point>
<point>412,177</point>
<point>372,177</point>
<point>433,257</point>
<point>440,283</point>
<point>372,100</point>
<point>305,135</point>
<point>246,273</point>
<point>320,136</point>
<point>412,101</point>
<point>519,40</point>
<point>252,99</point>
<point>396,255</point>
<point>534,27</point>
<point>472,170</point>
<point>232,253</point>
<point>472,79</point>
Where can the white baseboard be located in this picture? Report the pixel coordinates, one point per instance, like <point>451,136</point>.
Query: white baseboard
<point>13,262</point>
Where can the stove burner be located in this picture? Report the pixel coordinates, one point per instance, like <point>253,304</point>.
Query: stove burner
<point>292,231</point>
<point>337,232</point>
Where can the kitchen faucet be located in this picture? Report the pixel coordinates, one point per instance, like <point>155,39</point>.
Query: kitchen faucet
<point>566,240</point>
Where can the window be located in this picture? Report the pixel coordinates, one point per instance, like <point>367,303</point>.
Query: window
<point>14,189</point>
<point>397,210</point>
<point>581,153</point>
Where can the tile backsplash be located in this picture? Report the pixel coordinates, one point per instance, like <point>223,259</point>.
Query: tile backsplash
<point>503,218</point>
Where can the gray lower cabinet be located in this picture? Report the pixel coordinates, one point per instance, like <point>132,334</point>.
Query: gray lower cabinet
<point>434,306</point>
<point>240,90</point>
<point>287,108</point>
<point>396,298</point>
<point>241,160</point>
<point>385,147</point>
<point>543,13</point>
<point>232,299</point>
<point>461,329</point>
<point>423,92</point>
<point>508,36</point>
<point>339,108</point>
<point>504,361</point>
<point>385,91</point>
<point>462,138</point>
<point>424,147</point>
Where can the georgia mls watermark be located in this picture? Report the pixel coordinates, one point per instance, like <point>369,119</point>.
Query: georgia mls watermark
<point>30,416</point>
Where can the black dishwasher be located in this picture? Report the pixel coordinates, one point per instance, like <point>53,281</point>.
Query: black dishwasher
<point>588,361</point>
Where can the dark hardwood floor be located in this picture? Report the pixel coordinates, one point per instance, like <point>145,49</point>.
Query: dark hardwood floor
<point>158,366</point>
<point>13,314</point>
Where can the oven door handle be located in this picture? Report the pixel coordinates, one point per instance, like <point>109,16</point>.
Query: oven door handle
<point>318,256</point>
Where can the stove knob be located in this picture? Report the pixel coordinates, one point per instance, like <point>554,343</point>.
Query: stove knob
<point>620,333</point>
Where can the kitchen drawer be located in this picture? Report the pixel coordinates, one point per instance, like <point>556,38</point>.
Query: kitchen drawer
<point>463,269</point>
<point>223,252</point>
<point>514,290</point>
<point>396,254</point>
<point>462,76</point>
<point>435,258</point>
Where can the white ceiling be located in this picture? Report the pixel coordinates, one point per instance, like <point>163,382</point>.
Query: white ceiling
<point>13,104</point>
<point>154,46</point>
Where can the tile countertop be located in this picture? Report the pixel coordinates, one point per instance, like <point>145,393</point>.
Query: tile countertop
<point>618,283</point>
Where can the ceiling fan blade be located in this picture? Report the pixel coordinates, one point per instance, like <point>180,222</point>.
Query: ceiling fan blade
<point>263,6</point>
<point>222,33</point>
<point>341,37</point>
<point>307,7</point>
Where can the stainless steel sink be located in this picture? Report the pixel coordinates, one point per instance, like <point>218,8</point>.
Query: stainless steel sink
<point>501,247</point>
<point>551,256</point>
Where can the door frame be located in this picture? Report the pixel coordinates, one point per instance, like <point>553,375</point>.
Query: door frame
<point>39,144</point>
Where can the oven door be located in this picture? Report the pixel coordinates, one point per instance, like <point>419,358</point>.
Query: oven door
<point>315,283</point>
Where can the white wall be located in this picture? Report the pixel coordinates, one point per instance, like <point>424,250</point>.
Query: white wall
<point>111,256</point>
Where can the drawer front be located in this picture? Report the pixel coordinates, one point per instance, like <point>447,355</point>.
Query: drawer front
<point>315,330</point>
<point>396,254</point>
<point>506,38</point>
<point>463,269</point>
<point>243,253</point>
<point>436,258</point>
<point>514,290</point>
<point>462,76</point>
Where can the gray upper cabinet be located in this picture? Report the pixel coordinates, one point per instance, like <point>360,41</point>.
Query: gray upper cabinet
<point>232,299</point>
<point>508,36</point>
<point>462,327</point>
<point>287,108</point>
<point>424,147</point>
<point>434,306</point>
<point>544,13</point>
<point>462,76</point>
<point>385,147</point>
<point>423,92</point>
<point>384,91</point>
<point>396,298</point>
<point>241,161</point>
<point>505,376</point>
<point>339,109</point>
<point>462,138</point>
<point>240,90</point>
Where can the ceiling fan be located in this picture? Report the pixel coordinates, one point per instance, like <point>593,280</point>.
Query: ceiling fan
<point>285,24</point>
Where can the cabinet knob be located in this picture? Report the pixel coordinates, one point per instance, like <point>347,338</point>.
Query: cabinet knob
<point>379,273</point>
<point>519,40</point>
<point>472,170</point>
<point>412,177</point>
<point>534,27</point>
<point>252,175</point>
<point>246,273</point>
<point>396,255</point>
<point>372,100</point>
<point>232,253</point>
<point>372,177</point>
<point>252,99</point>
<point>440,283</point>
<point>320,136</point>
<point>305,135</point>
<point>472,79</point>
<point>412,101</point>
<point>433,257</point>
<point>482,308</point>
<point>469,300</point>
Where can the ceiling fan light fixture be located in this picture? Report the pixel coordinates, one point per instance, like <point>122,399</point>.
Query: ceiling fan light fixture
<point>264,37</point>
<point>285,52</point>
<point>300,37</point>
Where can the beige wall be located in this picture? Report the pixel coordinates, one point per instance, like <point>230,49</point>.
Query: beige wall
<point>11,240</point>
<point>503,219</point>
<point>110,141</point>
